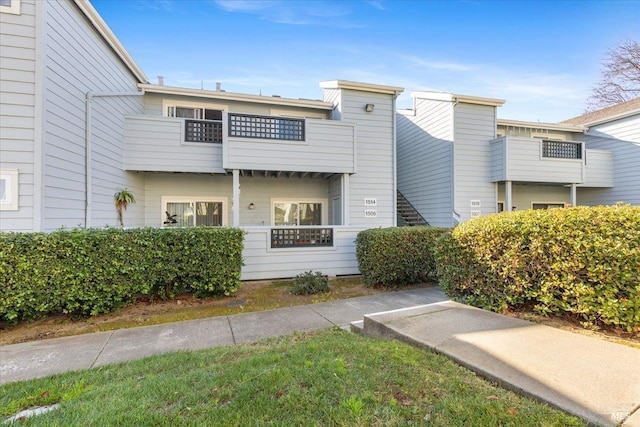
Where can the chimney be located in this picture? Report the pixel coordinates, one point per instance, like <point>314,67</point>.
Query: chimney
<point>160,80</point>
<point>218,86</point>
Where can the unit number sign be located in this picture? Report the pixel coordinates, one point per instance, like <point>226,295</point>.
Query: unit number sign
<point>370,213</point>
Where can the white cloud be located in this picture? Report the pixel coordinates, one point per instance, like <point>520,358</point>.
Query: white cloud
<point>318,13</point>
<point>436,65</point>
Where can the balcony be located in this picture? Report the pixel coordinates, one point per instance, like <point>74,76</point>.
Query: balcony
<point>239,141</point>
<point>521,159</point>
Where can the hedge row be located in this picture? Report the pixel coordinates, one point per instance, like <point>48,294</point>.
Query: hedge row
<point>87,272</point>
<point>581,261</point>
<point>397,256</point>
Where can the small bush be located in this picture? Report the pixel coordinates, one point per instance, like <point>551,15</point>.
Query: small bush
<point>398,255</point>
<point>88,272</point>
<point>581,261</point>
<point>309,283</point>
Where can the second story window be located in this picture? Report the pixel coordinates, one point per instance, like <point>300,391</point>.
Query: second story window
<point>200,125</point>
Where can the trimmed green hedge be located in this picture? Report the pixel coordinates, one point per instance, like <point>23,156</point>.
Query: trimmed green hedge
<point>582,261</point>
<point>87,272</point>
<point>398,255</point>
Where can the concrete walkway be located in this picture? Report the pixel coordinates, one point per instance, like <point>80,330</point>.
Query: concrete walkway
<point>594,379</point>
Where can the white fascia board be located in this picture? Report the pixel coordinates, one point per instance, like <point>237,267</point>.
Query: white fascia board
<point>232,96</point>
<point>364,87</point>
<point>454,97</point>
<point>612,118</point>
<point>103,29</point>
<point>538,125</point>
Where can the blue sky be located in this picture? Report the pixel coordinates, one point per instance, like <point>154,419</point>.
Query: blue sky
<point>543,57</point>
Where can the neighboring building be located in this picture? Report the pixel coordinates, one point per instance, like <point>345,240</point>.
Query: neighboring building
<point>456,160</point>
<point>444,156</point>
<point>615,129</point>
<point>80,121</point>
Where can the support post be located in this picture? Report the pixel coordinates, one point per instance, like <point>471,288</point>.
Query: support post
<point>345,199</point>
<point>236,198</point>
<point>573,198</point>
<point>508,201</point>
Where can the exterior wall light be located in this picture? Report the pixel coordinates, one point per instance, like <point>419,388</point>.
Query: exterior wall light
<point>369,108</point>
<point>251,206</point>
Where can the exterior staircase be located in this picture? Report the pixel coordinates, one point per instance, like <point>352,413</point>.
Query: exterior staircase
<point>407,214</point>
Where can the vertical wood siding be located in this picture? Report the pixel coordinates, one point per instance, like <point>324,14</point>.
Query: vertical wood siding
<point>18,110</point>
<point>425,160</point>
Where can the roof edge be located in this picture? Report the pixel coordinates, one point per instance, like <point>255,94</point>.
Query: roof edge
<point>365,87</point>
<point>103,29</point>
<point>233,96</point>
<point>538,125</point>
<point>454,97</point>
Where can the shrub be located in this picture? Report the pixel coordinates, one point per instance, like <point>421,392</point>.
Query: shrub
<point>309,283</point>
<point>87,272</point>
<point>581,261</point>
<point>397,255</point>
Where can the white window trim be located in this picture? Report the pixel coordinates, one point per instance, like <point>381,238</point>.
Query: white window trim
<point>323,202</point>
<point>564,204</point>
<point>192,199</point>
<point>10,202</point>
<point>14,9</point>
<point>166,103</point>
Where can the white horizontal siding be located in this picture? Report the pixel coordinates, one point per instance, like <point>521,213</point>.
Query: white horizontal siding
<point>524,195</point>
<point>329,146</point>
<point>525,163</point>
<point>627,129</point>
<point>626,175</point>
<point>156,144</point>
<point>262,262</point>
<point>598,168</point>
<point>424,142</point>
<point>475,127</point>
<point>374,177</point>
<point>17,111</point>
<point>498,162</point>
<point>72,70</point>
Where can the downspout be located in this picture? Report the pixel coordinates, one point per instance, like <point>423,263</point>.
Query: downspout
<point>455,215</point>
<point>89,145</point>
<point>394,199</point>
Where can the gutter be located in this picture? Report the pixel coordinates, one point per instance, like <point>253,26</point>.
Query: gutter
<point>89,145</point>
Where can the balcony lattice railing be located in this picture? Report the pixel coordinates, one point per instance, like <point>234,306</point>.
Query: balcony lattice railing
<point>301,237</point>
<point>209,131</point>
<point>561,149</point>
<point>266,127</point>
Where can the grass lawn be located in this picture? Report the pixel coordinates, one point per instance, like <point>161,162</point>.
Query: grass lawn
<point>328,378</point>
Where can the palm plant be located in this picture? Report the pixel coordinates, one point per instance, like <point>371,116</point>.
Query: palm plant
<point>122,199</point>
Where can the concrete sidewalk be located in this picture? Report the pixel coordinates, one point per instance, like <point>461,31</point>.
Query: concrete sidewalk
<point>41,358</point>
<point>594,379</point>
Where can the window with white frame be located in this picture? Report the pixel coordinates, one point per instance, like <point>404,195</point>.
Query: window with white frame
<point>547,205</point>
<point>10,6</point>
<point>201,124</point>
<point>193,212</point>
<point>298,212</point>
<point>9,189</point>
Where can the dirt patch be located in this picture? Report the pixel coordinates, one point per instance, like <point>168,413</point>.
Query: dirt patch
<point>251,296</point>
